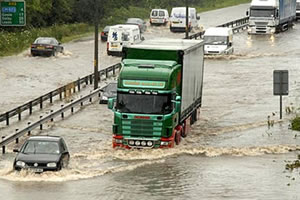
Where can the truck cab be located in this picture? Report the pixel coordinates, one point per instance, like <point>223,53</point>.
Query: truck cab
<point>271,16</point>
<point>122,35</point>
<point>218,41</point>
<point>178,19</point>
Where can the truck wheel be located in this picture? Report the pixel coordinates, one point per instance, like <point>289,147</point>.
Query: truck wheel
<point>177,137</point>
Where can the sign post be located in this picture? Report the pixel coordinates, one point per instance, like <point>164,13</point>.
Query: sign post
<point>281,85</point>
<point>12,13</point>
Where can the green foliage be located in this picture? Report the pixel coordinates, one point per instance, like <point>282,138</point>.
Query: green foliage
<point>296,124</point>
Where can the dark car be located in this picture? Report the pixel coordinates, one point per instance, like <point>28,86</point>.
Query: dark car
<point>42,153</point>
<point>47,46</point>
<point>104,33</point>
<point>108,91</point>
<point>141,23</point>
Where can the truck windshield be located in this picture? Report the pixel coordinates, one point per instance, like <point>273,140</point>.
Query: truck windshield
<point>144,104</point>
<point>215,40</point>
<point>262,12</point>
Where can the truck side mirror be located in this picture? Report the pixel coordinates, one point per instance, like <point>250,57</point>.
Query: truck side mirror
<point>177,103</point>
<point>111,103</point>
<point>198,17</point>
<point>277,13</point>
<point>247,13</point>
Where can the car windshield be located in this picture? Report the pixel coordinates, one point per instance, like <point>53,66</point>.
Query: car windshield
<point>215,39</point>
<point>44,41</point>
<point>110,89</point>
<point>133,21</point>
<point>144,104</point>
<point>41,147</point>
<point>262,13</point>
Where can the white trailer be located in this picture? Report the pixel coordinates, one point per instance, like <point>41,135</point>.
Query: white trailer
<point>271,16</point>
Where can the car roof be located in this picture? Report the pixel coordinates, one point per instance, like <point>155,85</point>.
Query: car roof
<point>45,138</point>
<point>48,38</point>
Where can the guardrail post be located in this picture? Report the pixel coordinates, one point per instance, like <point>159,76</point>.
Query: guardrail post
<point>41,102</point>
<point>50,95</point>
<point>78,85</point>
<point>51,111</point>
<point>60,93</point>
<point>114,70</point>
<point>91,97</point>
<point>3,147</point>
<point>72,108</point>
<point>91,79</point>
<point>41,125</point>
<point>7,118</point>
<point>106,73</point>
<point>29,132</point>
<point>30,107</point>
<point>86,80</point>
<point>19,114</point>
<point>62,114</point>
<point>17,139</point>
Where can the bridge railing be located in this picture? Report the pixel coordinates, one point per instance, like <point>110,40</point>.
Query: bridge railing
<point>62,92</point>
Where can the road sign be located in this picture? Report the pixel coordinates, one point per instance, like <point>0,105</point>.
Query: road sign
<point>12,13</point>
<point>281,82</point>
<point>281,85</point>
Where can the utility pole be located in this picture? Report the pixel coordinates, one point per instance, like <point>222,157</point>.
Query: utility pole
<point>96,59</point>
<point>186,20</point>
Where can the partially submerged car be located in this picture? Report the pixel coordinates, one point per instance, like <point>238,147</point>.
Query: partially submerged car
<point>42,153</point>
<point>218,41</point>
<point>138,21</point>
<point>108,91</point>
<point>47,46</point>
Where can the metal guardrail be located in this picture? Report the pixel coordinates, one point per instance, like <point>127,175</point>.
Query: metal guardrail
<point>236,25</point>
<point>50,117</point>
<point>62,91</point>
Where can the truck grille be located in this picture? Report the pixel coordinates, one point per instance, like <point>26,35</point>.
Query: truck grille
<point>261,23</point>
<point>141,128</point>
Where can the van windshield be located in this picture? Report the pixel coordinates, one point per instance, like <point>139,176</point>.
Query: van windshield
<point>216,40</point>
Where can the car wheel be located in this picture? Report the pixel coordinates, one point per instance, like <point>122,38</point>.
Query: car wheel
<point>33,54</point>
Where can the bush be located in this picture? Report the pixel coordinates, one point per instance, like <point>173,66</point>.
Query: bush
<point>296,123</point>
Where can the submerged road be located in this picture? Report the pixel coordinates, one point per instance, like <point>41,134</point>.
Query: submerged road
<point>230,154</point>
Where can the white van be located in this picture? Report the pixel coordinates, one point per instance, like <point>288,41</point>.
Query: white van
<point>122,35</point>
<point>218,40</point>
<point>159,17</point>
<point>178,19</point>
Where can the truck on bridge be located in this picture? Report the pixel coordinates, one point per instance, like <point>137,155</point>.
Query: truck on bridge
<point>271,16</point>
<point>159,93</point>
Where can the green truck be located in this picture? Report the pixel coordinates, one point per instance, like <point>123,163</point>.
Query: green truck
<point>159,93</point>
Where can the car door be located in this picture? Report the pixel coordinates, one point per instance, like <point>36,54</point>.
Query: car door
<point>65,154</point>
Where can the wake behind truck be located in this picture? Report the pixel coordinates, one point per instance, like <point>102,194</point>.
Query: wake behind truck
<point>159,93</point>
<point>271,16</point>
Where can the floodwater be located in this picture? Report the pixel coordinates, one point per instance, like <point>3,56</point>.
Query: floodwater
<point>230,154</point>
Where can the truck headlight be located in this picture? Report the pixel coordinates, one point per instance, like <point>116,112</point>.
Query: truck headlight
<point>164,143</point>
<point>20,163</point>
<point>119,141</point>
<point>104,98</point>
<point>149,143</point>
<point>52,164</point>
